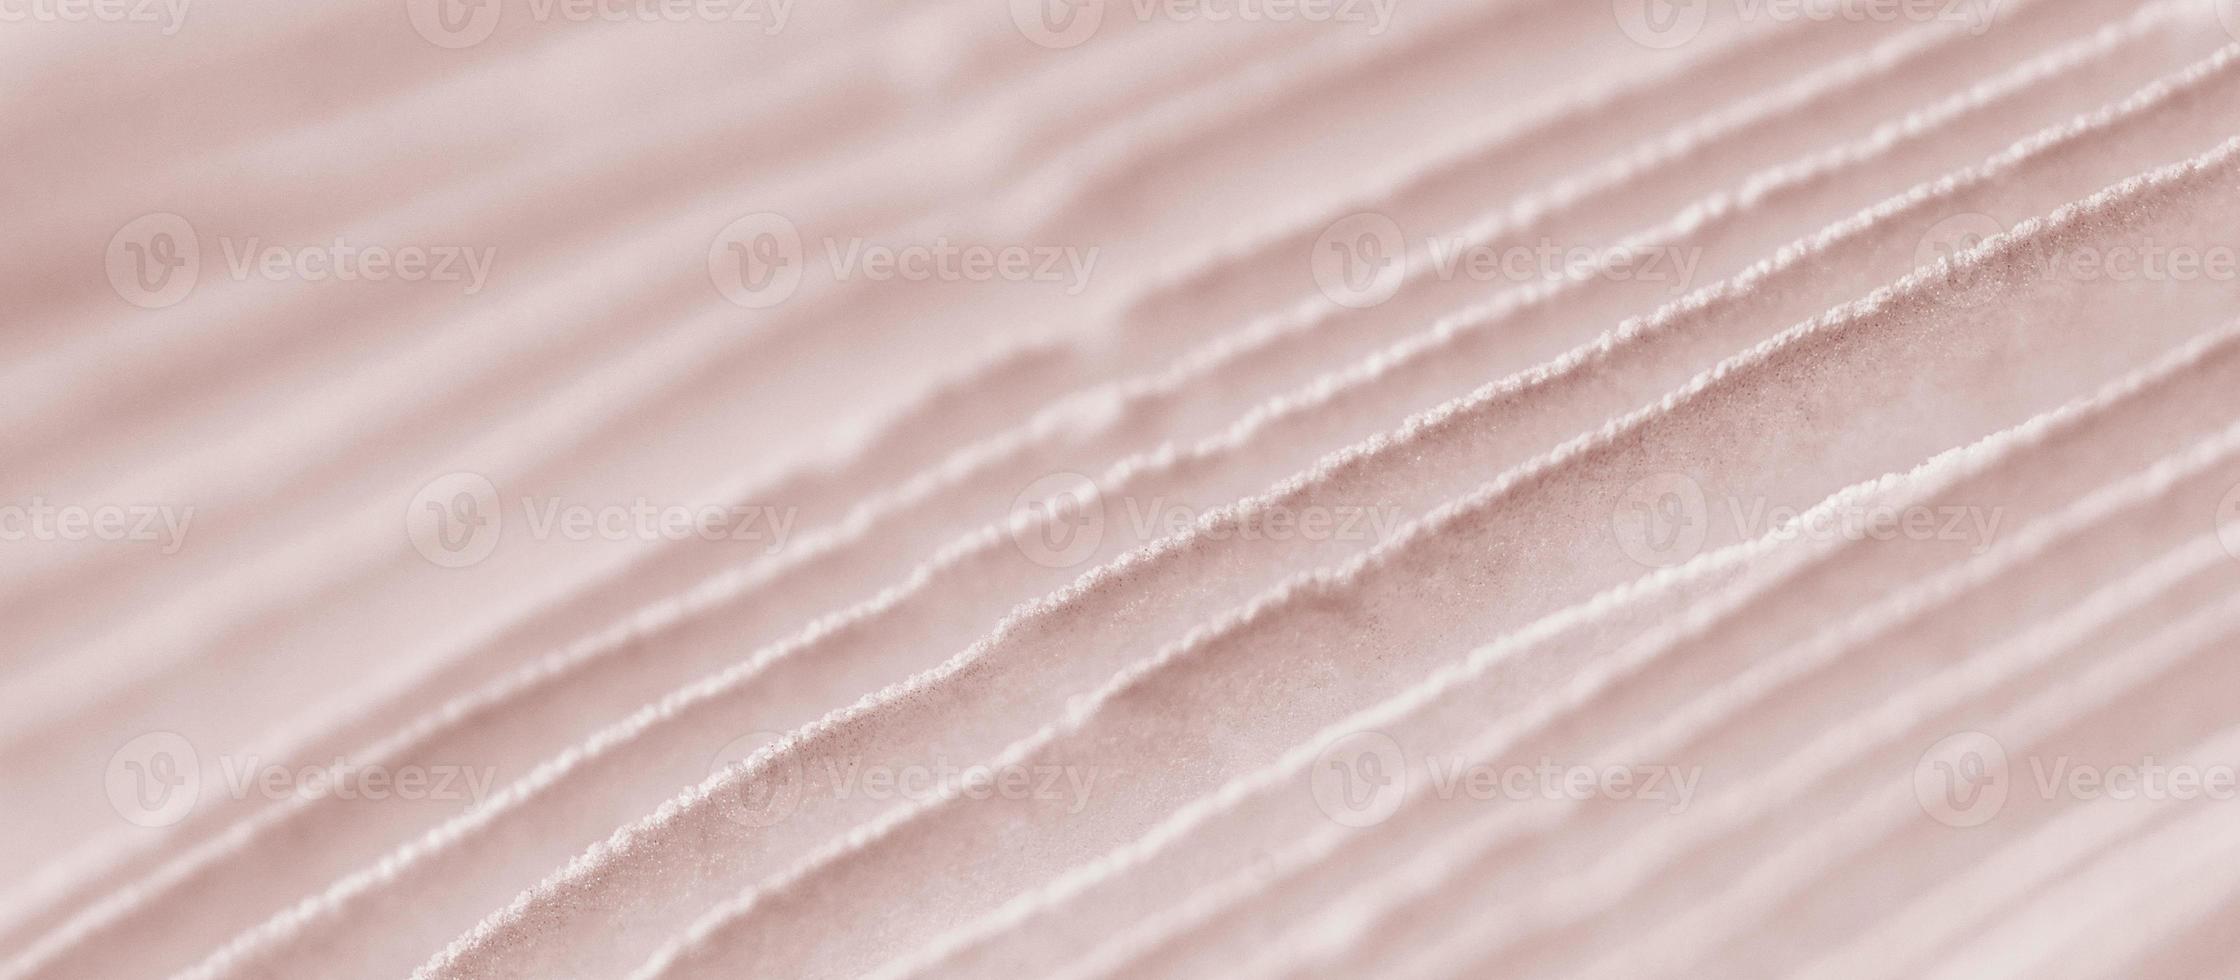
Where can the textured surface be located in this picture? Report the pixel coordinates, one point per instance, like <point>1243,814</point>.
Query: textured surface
<point>1116,488</point>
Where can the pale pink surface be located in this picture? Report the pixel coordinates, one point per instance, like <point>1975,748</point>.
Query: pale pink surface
<point>1836,333</point>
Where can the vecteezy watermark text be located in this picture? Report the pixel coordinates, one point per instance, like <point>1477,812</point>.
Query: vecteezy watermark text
<point>758,261</point>
<point>465,23</point>
<point>1068,23</point>
<point>1664,519</point>
<point>1361,779</point>
<point>2048,259</point>
<point>1967,778</point>
<point>767,795</point>
<point>1059,520</point>
<point>457,520</point>
<point>40,520</point>
<point>156,260</point>
<point>166,15</point>
<point>155,779</point>
<point>1665,24</point>
<point>1361,260</point>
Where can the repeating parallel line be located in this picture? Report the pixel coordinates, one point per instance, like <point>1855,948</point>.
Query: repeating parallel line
<point>2026,453</point>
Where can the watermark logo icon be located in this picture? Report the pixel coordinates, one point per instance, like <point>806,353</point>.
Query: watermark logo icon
<point>1947,241</point>
<point>1661,24</point>
<point>455,520</point>
<point>1360,260</point>
<point>764,799</point>
<point>1057,24</point>
<point>154,779</point>
<point>454,24</point>
<point>1662,520</point>
<point>1360,779</point>
<point>1962,781</point>
<point>154,260</point>
<point>2228,13</point>
<point>755,262</point>
<point>1058,520</point>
